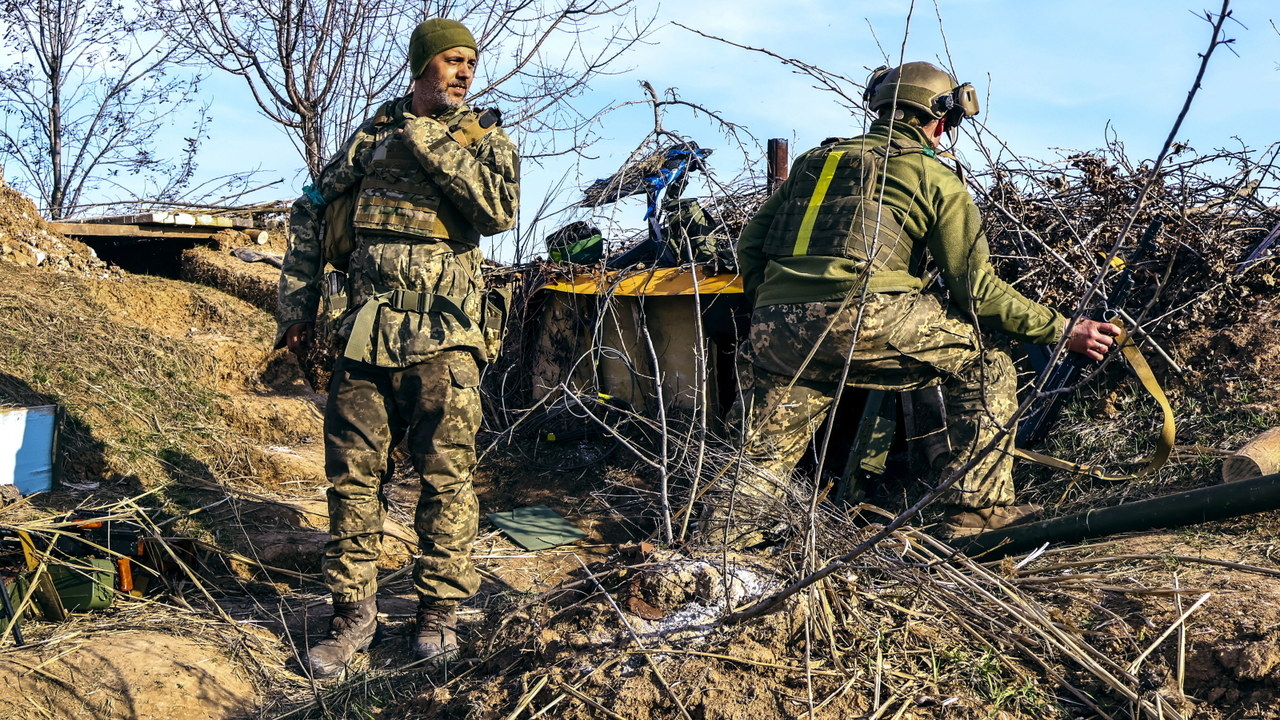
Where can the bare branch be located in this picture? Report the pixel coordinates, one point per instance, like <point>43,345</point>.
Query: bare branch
<point>92,85</point>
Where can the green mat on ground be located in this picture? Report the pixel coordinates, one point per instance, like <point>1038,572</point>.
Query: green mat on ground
<point>537,527</point>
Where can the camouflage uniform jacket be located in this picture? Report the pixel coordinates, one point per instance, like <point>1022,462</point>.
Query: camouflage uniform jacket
<point>934,209</point>
<point>478,184</point>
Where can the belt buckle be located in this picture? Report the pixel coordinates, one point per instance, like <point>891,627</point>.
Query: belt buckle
<point>397,299</point>
<point>421,301</point>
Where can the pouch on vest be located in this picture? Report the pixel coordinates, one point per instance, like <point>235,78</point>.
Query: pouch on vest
<point>578,242</point>
<point>359,346</point>
<point>398,197</point>
<point>493,318</point>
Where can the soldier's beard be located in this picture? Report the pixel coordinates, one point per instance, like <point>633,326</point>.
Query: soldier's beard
<point>445,100</point>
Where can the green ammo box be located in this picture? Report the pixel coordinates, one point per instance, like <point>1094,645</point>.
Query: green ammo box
<point>85,583</point>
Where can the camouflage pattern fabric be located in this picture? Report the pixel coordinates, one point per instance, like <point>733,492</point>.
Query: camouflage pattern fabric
<point>904,341</point>
<point>874,310</point>
<point>435,405</point>
<point>478,183</point>
<point>931,205</point>
<point>401,338</point>
<point>421,376</point>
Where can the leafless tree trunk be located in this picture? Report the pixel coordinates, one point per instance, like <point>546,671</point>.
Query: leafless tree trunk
<point>316,67</point>
<point>91,86</point>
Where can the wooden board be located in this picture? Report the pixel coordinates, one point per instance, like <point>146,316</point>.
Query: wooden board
<point>161,218</point>
<point>105,230</point>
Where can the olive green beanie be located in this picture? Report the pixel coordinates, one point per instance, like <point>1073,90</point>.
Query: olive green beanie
<point>434,37</point>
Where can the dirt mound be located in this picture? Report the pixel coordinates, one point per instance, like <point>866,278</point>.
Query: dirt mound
<point>253,282</point>
<point>174,396</point>
<point>1226,656</point>
<point>1235,362</point>
<point>138,675</point>
<point>158,378</point>
<point>26,240</point>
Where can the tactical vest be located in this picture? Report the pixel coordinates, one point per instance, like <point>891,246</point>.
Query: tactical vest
<point>834,207</point>
<point>398,197</point>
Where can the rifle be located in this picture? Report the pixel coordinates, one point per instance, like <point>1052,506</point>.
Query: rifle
<point>10,617</point>
<point>1042,413</point>
<point>1259,252</point>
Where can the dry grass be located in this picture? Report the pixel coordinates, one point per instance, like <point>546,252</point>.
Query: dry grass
<point>138,403</point>
<point>903,630</point>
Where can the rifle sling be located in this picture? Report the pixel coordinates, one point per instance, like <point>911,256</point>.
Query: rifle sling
<point>1168,430</point>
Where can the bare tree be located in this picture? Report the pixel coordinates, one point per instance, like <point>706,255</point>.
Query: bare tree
<point>91,85</point>
<point>316,67</point>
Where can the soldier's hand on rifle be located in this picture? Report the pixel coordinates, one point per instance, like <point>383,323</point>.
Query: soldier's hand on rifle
<point>1092,338</point>
<point>298,337</point>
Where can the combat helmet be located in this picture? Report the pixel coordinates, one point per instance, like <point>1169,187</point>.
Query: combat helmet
<point>923,87</point>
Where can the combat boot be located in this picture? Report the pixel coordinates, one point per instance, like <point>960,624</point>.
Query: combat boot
<point>350,631</point>
<point>961,523</point>
<point>436,640</point>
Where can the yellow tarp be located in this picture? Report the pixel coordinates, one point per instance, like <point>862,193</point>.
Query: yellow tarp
<point>659,281</point>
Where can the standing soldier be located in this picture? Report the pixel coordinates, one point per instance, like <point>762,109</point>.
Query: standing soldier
<point>426,176</point>
<point>834,264</point>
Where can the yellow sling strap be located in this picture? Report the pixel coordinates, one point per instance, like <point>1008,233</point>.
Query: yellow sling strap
<point>1168,431</point>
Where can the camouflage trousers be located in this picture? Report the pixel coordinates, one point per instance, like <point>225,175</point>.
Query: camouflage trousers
<point>435,405</point>
<point>795,357</point>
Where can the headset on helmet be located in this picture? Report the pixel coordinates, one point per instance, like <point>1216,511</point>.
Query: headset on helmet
<point>924,87</point>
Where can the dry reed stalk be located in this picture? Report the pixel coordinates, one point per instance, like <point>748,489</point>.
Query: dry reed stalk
<point>1025,613</point>
<point>1160,558</point>
<point>556,700</point>
<point>736,660</point>
<point>576,693</point>
<point>1182,618</point>
<point>528,697</point>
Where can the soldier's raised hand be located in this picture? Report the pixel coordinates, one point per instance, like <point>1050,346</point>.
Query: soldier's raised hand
<point>298,337</point>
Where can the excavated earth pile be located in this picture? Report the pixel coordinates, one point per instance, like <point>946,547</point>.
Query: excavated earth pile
<point>181,417</point>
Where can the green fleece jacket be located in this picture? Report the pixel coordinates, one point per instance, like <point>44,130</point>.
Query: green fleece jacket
<point>934,208</point>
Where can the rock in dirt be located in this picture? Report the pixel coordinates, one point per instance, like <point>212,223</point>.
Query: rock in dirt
<point>1250,661</point>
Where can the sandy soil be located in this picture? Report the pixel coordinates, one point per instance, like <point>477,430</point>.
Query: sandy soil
<point>541,635</point>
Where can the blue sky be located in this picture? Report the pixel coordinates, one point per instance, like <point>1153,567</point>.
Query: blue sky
<point>1051,75</point>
